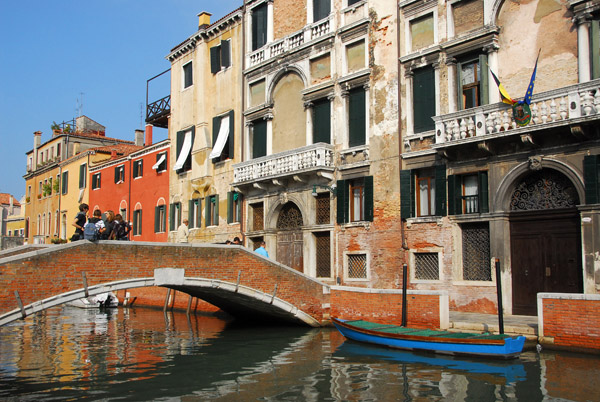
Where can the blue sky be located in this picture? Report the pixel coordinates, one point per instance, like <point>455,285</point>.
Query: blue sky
<point>57,57</point>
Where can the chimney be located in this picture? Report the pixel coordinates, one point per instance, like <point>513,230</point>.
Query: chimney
<point>139,138</point>
<point>37,141</point>
<point>113,154</point>
<point>203,20</point>
<point>148,134</point>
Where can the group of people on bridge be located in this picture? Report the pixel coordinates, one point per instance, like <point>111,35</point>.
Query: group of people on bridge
<point>111,226</point>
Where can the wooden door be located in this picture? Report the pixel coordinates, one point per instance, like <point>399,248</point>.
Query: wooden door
<point>289,249</point>
<point>545,257</point>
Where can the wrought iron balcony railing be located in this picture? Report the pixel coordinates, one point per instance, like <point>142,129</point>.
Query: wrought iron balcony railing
<point>159,109</point>
<point>559,107</point>
<point>301,160</point>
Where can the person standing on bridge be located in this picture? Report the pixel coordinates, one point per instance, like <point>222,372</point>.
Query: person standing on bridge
<point>262,250</point>
<point>183,232</point>
<point>79,221</point>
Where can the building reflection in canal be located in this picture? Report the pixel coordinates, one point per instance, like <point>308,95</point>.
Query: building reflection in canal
<point>143,354</point>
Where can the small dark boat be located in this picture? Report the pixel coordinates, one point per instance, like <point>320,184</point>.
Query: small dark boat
<point>444,342</point>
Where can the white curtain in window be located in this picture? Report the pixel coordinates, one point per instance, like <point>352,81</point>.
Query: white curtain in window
<point>357,201</point>
<point>159,161</point>
<point>185,151</point>
<point>427,206</point>
<point>221,139</point>
<point>470,183</point>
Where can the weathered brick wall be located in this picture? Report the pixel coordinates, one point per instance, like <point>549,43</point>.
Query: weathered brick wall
<point>570,320</point>
<point>283,22</point>
<point>424,309</point>
<point>59,269</point>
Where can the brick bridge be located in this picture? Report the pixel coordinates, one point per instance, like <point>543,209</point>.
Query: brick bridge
<point>232,278</point>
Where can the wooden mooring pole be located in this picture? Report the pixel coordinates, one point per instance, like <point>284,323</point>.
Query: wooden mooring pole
<point>499,293</point>
<point>404,287</point>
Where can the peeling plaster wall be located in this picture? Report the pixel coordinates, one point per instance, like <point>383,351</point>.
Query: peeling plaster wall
<point>289,121</point>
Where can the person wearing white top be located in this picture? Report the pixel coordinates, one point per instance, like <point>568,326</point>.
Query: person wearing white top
<point>183,232</point>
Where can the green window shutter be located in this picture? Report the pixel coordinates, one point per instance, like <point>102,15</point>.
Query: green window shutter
<point>595,48</point>
<point>239,206</point>
<point>179,143</point>
<point>229,207</point>
<point>65,182</point>
<point>192,221</point>
<point>342,201</point>
<point>215,59</point>
<point>459,94</point>
<point>207,220</point>
<point>369,198</point>
<point>322,121</point>
<point>216,127</point>
<point>216,222</point>
<point>440,190</point>
<point>82,173</point>
<point>259,26</point>
<point>171,216</point>
<point>423,99</point>
<point>452,179</point>
<point>591,178</point>
<point>225,53</point>
<point>156,219</point>
<point>483,80</point>
<point>231,136</point>
<point>140,167</point>
<point>405,194</point>
<point>484,203</point>
<point>356,117</point>
<point>135,169</point>
<point>135,220</point>
<point>259,139</point>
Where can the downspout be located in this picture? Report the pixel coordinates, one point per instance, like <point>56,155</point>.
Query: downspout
<point>129,187</point>
<point>242,117</point>
<point>400,142</point>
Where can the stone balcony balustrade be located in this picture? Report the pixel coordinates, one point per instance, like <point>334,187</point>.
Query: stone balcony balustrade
<point>301,161</point>
<point>566,106</point>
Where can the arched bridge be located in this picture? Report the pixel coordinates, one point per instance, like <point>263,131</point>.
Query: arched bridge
<point>233,278</point>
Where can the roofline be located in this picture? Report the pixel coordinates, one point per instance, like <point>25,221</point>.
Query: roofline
<point>103,138</point>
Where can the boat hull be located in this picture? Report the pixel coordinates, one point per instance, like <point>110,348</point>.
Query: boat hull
<point>507,348</point>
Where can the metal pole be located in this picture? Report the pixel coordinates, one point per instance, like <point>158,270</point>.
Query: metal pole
<point>499,292</point>
<point>404,275</point>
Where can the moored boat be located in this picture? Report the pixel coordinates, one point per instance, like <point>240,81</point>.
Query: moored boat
<point>108,299</point>
<point>445,342</point>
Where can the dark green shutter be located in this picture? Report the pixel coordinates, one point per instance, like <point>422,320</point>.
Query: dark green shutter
<point>423,99</point>
<point>369,198</point>
<point>140,168</point>
<point>215,59</point>
<point>116,174</point>
<point>65,182</point>
<point>322,121</point>
<point>484,204</point>
<point>483,80</point>
<point>171,216</point>
<point>135,169</point>
<point>459,93</point>
<point>231,150</point>
<point>225,53</point>
<point>405,194</point>
<point>216,126</point>
<point>191,219</point>
<point>216,197</point>
<point>452,179</point>
<point>591,178</point>
<point>229,207</point>
<point>82,173</point>
<point>259,26</point>
<point>207,220</point>
<point>440,190</point>
<point>156,219</point>
<point>342,201</point>
<point>356,117</point>
<point>259,139</point>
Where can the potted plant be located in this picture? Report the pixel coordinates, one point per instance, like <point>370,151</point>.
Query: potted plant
<point>27,199</point>
<point>56,186</point>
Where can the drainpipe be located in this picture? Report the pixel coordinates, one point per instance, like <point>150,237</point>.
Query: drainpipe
<point>400,143</point>
<point>242,117</point>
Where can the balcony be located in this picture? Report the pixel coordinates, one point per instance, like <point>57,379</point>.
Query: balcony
<point>157,113</point>
<point>316,159</point>
<point>574,107</point>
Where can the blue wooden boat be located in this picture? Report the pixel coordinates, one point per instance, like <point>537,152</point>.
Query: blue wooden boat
<point>453,343</point>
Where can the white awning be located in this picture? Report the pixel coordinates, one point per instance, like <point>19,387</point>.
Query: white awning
<point>159,161</point>
<point>185,151</point>
<point>221,139</point>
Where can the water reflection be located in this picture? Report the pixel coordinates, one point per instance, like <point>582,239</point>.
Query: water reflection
<point>140,354</point>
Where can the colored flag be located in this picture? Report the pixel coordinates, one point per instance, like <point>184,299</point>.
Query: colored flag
<point>529,93</point>
<point>503,94</point>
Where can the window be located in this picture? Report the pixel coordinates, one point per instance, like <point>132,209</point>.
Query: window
<point>323,257</point>
<point>321,9</point>
<point>422,33</point>
<point>161,162</point>
<point>591,178</point>
<point>423,192</point>
<point>323,207</point>
<point>188,79</point>
<point>356,117</point>
<point>137,222</point>
<point>222,138</point>
<point>322,121</point>
<point>185,141</point>
<point>160,219</point>
<point>472,82</point>
<point>476,252</point>
<point>427,266</point>
<point>65,182</point>
<point>259,26</point>
<point>355,56</point>
<point>234,207</point>
<point>468,193</point>
<point>120,174</point>
<point>355,200</point>
<point>96,181</point>
<point>211,211</point>
<point>174,216</point>
<point>220,56</point>
<point>258,219</point>
<point>194,216</point>
<point>423,81</point>
<point>350,2</point>
<point>259,138</point>
<point>82,176</point>
<point>138,168</point>
<point>357,266</point>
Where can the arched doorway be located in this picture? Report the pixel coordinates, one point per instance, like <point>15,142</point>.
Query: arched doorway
<point>289,237</point>
<point>545,239</point>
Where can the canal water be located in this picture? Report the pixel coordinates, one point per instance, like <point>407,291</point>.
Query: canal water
<point>146,355</point>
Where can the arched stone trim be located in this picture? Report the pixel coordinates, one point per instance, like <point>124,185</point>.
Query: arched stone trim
<point>275,208</point>
<point>123,205</point>
<point>507,184</point>
<point>138,206</point>
<point>492,14</point>
<point>280,74</point>
<point>161,201</point>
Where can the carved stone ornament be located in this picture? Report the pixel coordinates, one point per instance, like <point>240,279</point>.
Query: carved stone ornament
<point>535,163</point>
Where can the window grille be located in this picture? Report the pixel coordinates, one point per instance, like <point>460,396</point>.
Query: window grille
<point>427,266</point>
<point>323,255</point>
<point>357,266</point>
<point>476,252</point>
<point>323,209</point>
<point>258,217</point>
